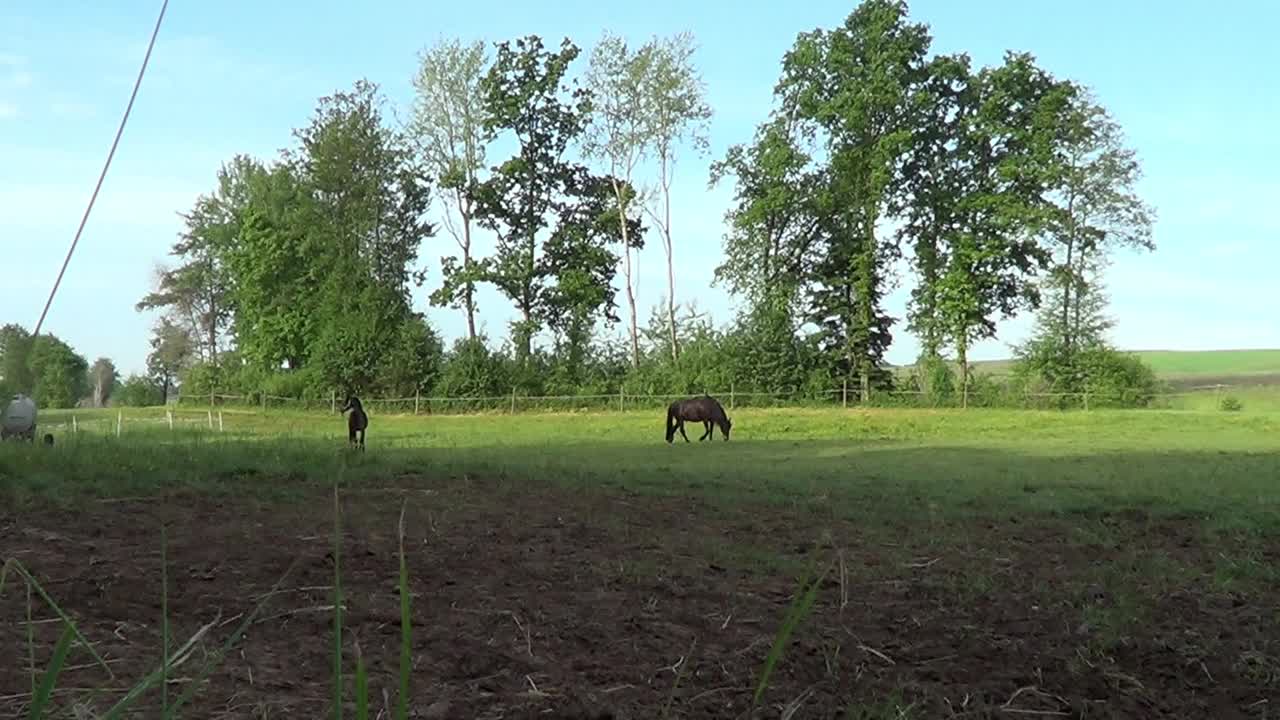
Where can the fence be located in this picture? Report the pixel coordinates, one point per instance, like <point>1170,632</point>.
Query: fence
<point>622,401</point>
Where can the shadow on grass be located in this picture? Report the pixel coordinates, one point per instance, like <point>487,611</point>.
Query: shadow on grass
<point>868,480</point>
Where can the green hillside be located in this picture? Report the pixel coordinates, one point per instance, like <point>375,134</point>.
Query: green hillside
<point>1210,366</point>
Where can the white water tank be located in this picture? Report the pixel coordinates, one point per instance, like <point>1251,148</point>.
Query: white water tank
<point>19,418</point>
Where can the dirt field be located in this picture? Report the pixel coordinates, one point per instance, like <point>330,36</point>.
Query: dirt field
<point>591,606</point>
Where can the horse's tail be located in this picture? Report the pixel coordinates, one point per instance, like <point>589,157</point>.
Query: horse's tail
<point>671,421</point>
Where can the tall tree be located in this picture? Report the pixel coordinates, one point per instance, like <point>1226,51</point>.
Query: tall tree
<point>1098,209</point>
<point>981,165</point>
<point>448,125</point>
<point>528,94</point>
<point>102,378</point>
<point>172,351</point>
<point>60,373</point>
<point>276,266</point>
<point>772,227</point>
<point>367,200</point>
<point>678,112</point>
<point>621,134</point>
<point>195,292</point>
<point>15,354</point>
<point>852,87</point>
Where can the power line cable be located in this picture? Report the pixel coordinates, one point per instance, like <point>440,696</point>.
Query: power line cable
<point>93,198</point>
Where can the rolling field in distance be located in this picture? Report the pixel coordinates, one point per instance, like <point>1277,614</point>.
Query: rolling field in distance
<point>1228,367</point>
<point>575,564</point>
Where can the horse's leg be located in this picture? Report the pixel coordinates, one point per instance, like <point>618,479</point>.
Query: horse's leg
<point>362,431</point>
<point>681,427</point>
<point>351,435</point>
<point>706,430</point>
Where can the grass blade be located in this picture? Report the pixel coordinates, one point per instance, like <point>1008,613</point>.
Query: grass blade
<point>164,619</point>
<point>406,632</point>
<point>45,689</point>
<point>15,566</point>
<point>796,613</point>
<point>337,606</point>
<point>362,687</point>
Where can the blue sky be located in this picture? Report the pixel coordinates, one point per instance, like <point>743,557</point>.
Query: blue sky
<point>1191,83</point>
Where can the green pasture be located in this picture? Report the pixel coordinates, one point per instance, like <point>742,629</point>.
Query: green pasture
<point>1218,465</point>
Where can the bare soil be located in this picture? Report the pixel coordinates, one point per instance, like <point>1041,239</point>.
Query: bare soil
<point>550,604</point>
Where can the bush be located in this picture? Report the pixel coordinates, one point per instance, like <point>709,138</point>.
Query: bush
<point>1230,403</point>
<point>138,391</point>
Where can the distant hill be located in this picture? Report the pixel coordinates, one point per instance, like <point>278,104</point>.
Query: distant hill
<point>1191,367</point>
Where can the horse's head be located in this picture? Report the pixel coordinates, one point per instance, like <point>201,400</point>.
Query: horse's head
<point>353,403</point>
<point>725,427</point>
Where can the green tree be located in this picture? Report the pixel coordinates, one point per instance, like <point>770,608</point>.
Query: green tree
<point>60,373</point>
<point>852,87</point>
<point>621,133</point>
<point>448,125</point>
<point>276,266</point>
<point>103,379</point>
<point>772,227</point>
<point>173,351</point>
<point>987,163</point>
<point>674,98</point>
<point>15,354</point>
<point>527,93</point>
<point>364,219</point>
<point>196,291</point>
<point>1097,208</point>
<point>139,391</point>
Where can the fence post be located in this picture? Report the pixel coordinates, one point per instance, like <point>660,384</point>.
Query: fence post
<point>210,397</point>
<point>119,421</point>
<point>844,394</point>
<point>513,401</point>
<point>169,416</point>
<point>264,402</point>
<point>210,419</point>
<point>417,398</point>
<point>1086,402</point>
<point>333,401</point>
<point>622,399</point>
<point>75,428</point>
<point>219,421</point>
<point>730,394</point>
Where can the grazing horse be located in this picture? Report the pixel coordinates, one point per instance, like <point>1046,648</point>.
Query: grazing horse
<point>705,410</point>
<point>357,421</point>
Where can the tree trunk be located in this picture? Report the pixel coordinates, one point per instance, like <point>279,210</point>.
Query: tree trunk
<point>671,273</point>
<point>468,289</point>
<point>962,357</point>
<point>626,255</point>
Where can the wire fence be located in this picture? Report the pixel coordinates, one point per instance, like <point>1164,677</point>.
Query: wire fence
<point>225,412</point>
<point>731,398</point>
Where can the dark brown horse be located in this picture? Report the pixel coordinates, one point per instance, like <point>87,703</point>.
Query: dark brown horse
<point>357,421</point>
<point>705,410</point>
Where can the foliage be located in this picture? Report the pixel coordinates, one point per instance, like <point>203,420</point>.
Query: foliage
<point>1230,403</point>
<point>59,373</point>
<point>15,354</point>
<point>139,391</point>
<point>676,111</point>
<point>448,127</point>
<point>295,277</point>
<point>172,352</point>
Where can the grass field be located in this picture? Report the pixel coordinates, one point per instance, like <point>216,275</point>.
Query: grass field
<point>977,564</point>
<point>1211,366</point>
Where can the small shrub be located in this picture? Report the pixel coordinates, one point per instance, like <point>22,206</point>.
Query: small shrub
<point>1230,403</point>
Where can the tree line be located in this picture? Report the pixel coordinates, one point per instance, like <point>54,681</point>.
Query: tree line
<point>1002,190</point>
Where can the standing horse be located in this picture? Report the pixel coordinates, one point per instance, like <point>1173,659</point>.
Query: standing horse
<point>705,410</point>
<point>357,421</point>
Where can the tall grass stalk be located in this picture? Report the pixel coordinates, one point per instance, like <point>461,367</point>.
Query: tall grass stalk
<point>337,604</point>
<point>797,611</point>
<point>406,631</point>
